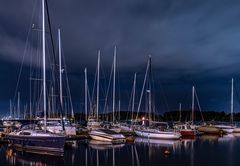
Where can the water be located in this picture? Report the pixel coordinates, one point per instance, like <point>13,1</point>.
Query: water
<point>202,151</point>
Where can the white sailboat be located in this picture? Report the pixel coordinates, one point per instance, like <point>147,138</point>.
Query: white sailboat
<point>152,132</point>
<point>229,128</point>
<point>114,126</point>
<point>93,121</point>
<point>31,138</point>
<point>54,124</point>
<point>103,134</point>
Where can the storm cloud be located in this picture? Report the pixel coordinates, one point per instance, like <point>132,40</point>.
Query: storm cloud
<point>188,40</point>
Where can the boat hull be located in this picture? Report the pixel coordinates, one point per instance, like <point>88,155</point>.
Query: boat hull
<point>158,135</point>
<point>236,130</point>
<point>102,136</point>
<point>209,130</point>
<point>225,128</point>
<point>38,144</point>
<point>188,133</point>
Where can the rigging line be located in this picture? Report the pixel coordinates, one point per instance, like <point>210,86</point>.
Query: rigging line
<point>119,93</point>
<point>102,87</point>
<point>199,105</point>
<point>130,102</point>
<point>104,78</point>
<point>24,54</point>
<point>68,88</point>
<point>89,98</point>
<point>93,91</point>
<point>108,89</point>
<point>54,57</point>
<point>144,82</point>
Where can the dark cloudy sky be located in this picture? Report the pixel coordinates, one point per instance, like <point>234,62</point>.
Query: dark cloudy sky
<point>191,42</point>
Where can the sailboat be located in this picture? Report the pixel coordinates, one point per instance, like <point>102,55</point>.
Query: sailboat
<point>187,129</point>
<point>229,128</point>
<point>114,126</point>
<point>98,133</point>
<point>93,121</point>
<point>150,131</point>
<point>31,138</point>
<point>54,124</point>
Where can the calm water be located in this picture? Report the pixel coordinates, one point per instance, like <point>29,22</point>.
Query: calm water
<point>204,150</point>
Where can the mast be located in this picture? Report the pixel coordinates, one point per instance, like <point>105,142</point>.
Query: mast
<point>134,91</point>
<point>180,112</point>
<point>98,73</point>
<point>49,107</point>
<point>30,102</point>
<point>44,65</point>
<point>150,88</point>
<point>60,65</point>
<point>232,102</point>
<point>193,95</point>
<point>18,106</point>
<point>60,78</point>
<point>119,109</point>
<point>114,80</point>
<point>53,113</point>
<point>86,87</point>
<point>11,109</point>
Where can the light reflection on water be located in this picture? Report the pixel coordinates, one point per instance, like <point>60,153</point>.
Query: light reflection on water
<point>204,150</point>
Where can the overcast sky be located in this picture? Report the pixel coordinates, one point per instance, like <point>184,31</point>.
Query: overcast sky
<point>191,42</point>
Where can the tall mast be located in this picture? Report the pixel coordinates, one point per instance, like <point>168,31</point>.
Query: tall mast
<point>60,65</point>
<point>49,108</point>
<point>11,109</point>
<point>193,95</point>
<point>86,87</point>
<point>44,65</point>
<point>18,106</point>
<point>52,99</point>
<point>150,88</point>
<point>180,112</point>
<point>98,74</point>
<point>119,109</point>
<point>232,102</point>
<point>134,91</point>
<point>114,80</point>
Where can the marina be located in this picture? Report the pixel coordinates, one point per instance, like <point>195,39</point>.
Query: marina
<point>119,83</point>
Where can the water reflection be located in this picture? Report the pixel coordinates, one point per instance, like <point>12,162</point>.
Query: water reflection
<point>157,142</point>
<point>17,158</point>
<point>209,138</point>
<point>194,152</point>
<point>100,145</point>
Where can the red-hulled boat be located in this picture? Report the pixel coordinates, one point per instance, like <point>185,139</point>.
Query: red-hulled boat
<point>186,130</point>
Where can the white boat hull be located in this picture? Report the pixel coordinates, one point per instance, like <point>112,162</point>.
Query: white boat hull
<point>107,135</point>
<point>236,130</point>
<point>225,128</point>
<point>158,135</point>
